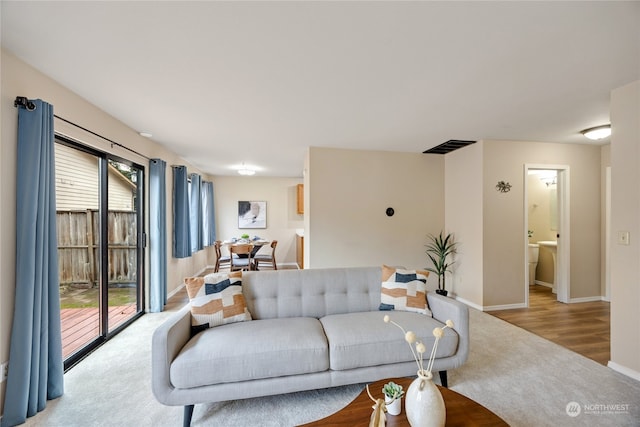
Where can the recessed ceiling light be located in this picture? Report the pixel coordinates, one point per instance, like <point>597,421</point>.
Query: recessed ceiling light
<point>146,134</point>
<point>598,132</point>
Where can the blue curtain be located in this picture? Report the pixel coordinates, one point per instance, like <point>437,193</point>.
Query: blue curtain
<point>181,227</point>
<point>157,235</point>
<point>195,213</point>
<point>35,357</point>
<point>208,215</point>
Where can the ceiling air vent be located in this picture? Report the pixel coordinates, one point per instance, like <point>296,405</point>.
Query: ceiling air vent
<point>449,146</point>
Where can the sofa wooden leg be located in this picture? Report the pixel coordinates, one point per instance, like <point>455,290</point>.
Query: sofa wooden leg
<point>443,378</point>
<point>188,413</point>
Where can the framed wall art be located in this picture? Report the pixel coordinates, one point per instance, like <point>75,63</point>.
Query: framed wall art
<point>252,214</point>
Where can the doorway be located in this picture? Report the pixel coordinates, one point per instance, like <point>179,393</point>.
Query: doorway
<point>99,222</point>
<point>554,237</point>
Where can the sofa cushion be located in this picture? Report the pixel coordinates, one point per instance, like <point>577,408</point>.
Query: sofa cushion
<point>404,290</point>
<point>363,339</point>
<point>218,300</point>
<point>251,350</point>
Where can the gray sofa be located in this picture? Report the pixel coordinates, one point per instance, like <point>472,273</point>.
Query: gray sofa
<point>311,329</point>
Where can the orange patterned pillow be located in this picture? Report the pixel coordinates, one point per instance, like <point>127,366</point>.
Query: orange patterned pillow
<point>404,290</point>
<point>217,301</point>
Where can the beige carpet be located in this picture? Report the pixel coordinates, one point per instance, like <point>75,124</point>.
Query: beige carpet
<point>526,380</point>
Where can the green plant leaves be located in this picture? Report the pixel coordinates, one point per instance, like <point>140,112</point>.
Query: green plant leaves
<point>438,250</point>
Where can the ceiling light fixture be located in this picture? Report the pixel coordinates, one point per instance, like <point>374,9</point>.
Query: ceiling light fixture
<point>146,134</point>
<point>598,132</point>
<point>246,171</point>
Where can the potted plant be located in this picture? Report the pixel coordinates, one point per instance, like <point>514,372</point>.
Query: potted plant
<point>392,397</point>
<point>439,249</point>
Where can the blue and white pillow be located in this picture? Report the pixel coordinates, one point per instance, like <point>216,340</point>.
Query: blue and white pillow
<point>404,290</point>
<point>218,300</point>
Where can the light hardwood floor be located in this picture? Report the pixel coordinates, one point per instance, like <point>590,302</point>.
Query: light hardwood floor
<point>580,327</point>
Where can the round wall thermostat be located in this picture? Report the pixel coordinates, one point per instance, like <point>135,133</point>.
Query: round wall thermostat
<point>390,211</point>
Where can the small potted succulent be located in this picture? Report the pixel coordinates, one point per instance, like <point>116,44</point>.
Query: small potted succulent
<point>392,397</point>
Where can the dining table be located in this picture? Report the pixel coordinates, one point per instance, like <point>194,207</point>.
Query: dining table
<point>257,244</point>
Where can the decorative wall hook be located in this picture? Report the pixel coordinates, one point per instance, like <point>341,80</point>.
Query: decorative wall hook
<point>503,187</point>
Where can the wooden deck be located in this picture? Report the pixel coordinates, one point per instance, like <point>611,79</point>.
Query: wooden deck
<point>80,325</point>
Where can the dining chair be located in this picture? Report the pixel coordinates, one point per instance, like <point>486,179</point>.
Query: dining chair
<point>241,263</point>
<point>221,261</point>
<point>268,259</point>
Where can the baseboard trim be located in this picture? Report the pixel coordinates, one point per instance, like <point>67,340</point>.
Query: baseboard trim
<point>586,299</point>
<point>490,307</point>
<point>504,307</point>
<point>176,290</point>
<point>290,264</point>
<point>624,370</point>
<point>521,305</point>
<point>469,303</point>
<point>541,283</point>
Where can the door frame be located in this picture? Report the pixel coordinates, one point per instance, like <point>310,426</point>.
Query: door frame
<point>562,270</point>
<point>607,235</point>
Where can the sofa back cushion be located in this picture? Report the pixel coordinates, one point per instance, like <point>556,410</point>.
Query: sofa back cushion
<point>312,292</point>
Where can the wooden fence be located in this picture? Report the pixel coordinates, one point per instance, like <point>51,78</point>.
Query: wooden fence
<point>78,248</point>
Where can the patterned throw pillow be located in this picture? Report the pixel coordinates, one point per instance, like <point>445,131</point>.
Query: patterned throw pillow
<point>217,302</point>
<point>404,290</point>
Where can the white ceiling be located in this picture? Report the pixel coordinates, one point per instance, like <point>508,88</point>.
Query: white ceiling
<point>221,83</point>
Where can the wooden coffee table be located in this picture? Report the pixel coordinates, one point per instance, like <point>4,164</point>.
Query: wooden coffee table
<point>461,411</point>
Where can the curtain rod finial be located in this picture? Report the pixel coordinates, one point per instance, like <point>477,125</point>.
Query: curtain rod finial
<point>22,101</point>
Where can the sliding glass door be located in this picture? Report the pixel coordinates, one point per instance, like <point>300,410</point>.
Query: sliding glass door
<point>123,252</point>
<point>100,245</point>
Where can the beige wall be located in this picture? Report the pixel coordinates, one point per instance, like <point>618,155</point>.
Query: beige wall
<point>490,267</point>
<point>463,217</point>
<point>625,216</point>
<point>19,79</point>
<point>505,236</point>
<point>282,217</point>
<point>503,245</point>
<point>496,222</point>
<point>350,191</point>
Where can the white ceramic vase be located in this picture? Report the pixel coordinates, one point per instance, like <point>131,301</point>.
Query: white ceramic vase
<point>394,407</point>
<point>423,403</point>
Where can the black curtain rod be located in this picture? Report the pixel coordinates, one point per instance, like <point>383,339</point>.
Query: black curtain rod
<point>22,101</point>
<point>100,136</point>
